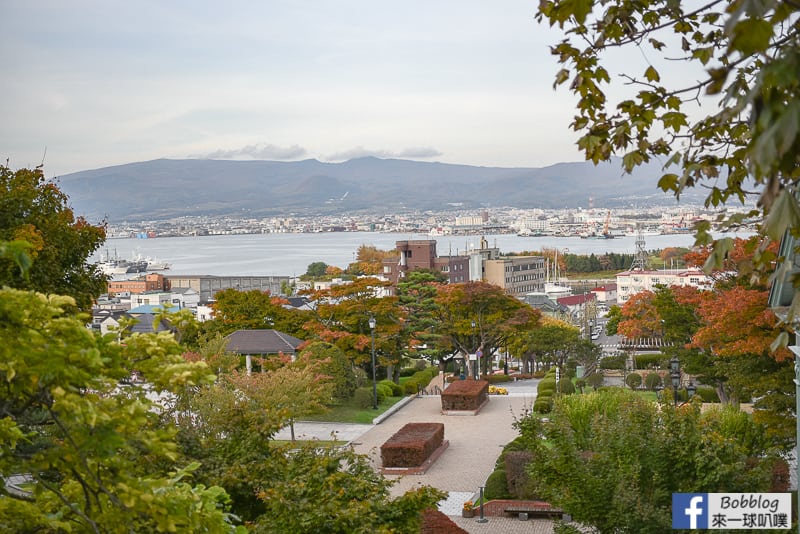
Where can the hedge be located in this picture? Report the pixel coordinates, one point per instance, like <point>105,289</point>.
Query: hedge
<point>542,404</point>
<point>397,389</point>
<point>383,391</point>
<point>652,381</point>
<point>566,387</point>
<point>647,361</point>
<point>708,394</point>
<point>494,379</point>
<point>363,397</point>
<point>497,486</point>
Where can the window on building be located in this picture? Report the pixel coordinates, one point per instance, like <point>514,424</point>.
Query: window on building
<point>694,280</point>
<point>408,254</point>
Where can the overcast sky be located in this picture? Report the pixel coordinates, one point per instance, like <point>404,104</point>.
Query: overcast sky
<point>98,83</point>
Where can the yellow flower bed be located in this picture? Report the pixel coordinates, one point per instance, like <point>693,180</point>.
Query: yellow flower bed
<point>494,390</point>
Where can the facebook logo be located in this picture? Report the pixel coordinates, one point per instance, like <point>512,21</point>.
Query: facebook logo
<point>690,510</point>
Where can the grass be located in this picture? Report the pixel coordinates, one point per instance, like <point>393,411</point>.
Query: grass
<point>350,413</point>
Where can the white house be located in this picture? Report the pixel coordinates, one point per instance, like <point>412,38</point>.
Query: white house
<point>635,281</point>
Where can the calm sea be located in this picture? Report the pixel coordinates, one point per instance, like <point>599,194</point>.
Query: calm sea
<point>290,254</point>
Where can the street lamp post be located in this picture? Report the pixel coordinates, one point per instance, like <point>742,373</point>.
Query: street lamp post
<point>374,383</point>
<point>675,375</point>
<point>474,351</point>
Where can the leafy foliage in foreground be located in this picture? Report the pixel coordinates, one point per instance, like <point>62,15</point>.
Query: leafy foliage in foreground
<point>90,442</point>
<point>625,456</point>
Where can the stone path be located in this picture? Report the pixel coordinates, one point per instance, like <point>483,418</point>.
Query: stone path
<point>475,443</point>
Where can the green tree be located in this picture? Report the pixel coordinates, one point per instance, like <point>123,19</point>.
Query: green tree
<point>342,314</point>
<point>498,319</point>
<point>90,440</point>
<point>336,491</point>
<point>743,62</point>
<point>417,292</point>
<point>317,269</point>
<point>624,461</point>
<point>333,363</point>
<point>35,211</point>
<point>253,310</point>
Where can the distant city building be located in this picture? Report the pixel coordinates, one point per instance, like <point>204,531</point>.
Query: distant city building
<point>421,254</point>
<point>207,285</point>
<point>635,281</point>
<point>606,293</point>
<point>517,275</point>
<point>148,282</point>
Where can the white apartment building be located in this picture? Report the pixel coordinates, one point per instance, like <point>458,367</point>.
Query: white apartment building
<point>631,282</point>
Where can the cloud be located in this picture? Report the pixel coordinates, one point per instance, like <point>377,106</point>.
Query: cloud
<point>361,152</point>
<point>271,152</point>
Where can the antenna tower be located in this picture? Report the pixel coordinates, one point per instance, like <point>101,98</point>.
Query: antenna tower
<point>640,260</point>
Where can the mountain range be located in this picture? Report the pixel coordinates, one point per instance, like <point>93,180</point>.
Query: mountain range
<point>166,188</point>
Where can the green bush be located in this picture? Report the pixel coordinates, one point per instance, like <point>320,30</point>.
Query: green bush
<point>543,404</point>
<point>497,486</point>
<point>547,385</point>
<point>613,362</point>
<point>633,380</point>
<point>383,391</point>
<point>495,379</point>
<point>410,387</point>
<point>649,361</point>
<point>363,397</point>
<point>566,387</point>
<point>707,393</point>
<point>538,374</point>
<point>397,389</point>
<point>595,380</point>
<point>652,381</point>
<point>580,384</point>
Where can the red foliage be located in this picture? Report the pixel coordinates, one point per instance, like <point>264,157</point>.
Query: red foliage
<point>412,445</point>
<point>435,522</point>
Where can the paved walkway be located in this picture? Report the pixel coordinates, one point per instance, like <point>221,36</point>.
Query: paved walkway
<point>475,443</point>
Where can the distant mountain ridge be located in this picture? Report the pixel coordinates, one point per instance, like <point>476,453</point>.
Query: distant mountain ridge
<point>167,188</point>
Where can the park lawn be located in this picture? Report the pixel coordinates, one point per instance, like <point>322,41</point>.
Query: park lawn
<point>350,413</point>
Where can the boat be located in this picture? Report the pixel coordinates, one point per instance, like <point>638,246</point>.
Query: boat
<point>155,265</point>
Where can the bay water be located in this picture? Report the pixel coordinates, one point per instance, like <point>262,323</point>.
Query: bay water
<point>289,254</point>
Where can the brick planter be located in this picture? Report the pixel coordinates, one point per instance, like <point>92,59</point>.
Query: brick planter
<point>412,445</point>
<point>465,396</point>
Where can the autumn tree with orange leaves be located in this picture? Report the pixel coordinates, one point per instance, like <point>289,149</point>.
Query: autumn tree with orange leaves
<point>498,318</point>
<point>342,317</point>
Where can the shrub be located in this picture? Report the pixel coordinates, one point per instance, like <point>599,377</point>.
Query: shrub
<point>595,380</point>
<point>410,387</point>
<point>566,387</point>
<point>649,361</point>
<point>407,371</point>
<point>516,463</point>
<point>613,362</point>
<point>397,389</point>
<point>546,386</point>
<point>652,381</point>
<point>497,486</point>
<point>580,384</point>
<point>494,379</point>
<point>383,391</point>
<point>543,404</point>
<point>707,393</point>
<point>633,380</point>
<point>363,397</point>
<point>412,444</point>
